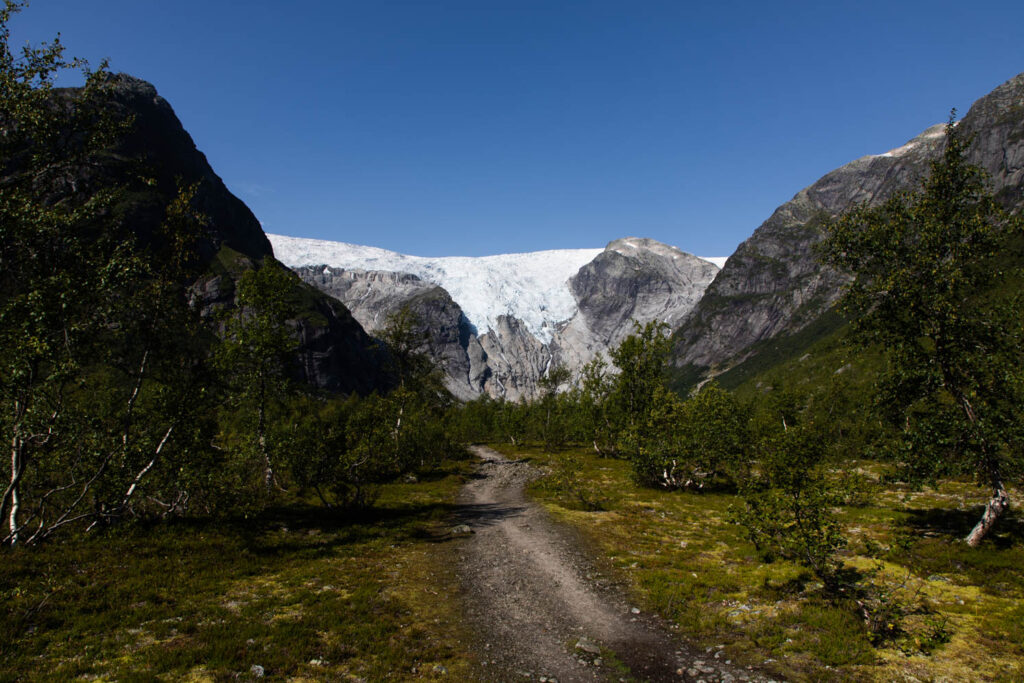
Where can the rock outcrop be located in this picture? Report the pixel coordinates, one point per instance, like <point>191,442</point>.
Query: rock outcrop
<point>373,296</point>
<point>335,353</point>
<point>631,279</point>
<point>772,286</point>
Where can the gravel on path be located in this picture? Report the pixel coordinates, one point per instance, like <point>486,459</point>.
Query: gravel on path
<point>542,611</point>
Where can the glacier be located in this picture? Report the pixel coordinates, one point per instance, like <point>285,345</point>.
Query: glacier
<point>531,286</point>
<point>717,260</point>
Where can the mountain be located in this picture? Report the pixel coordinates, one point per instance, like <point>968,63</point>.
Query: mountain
<point>772,294</point>
<point>530,286</point>
<point>335,353</point>
<point>496,324</point>
<point>632,279</point>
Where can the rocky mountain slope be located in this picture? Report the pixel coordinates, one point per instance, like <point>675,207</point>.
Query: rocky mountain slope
<point>497,323</point>
<point>529,286</point>
<point>772,287</point>
<point>632,279</point>
<point>335,353</point>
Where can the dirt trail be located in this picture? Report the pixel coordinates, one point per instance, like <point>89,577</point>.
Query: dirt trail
<point>539,607</point>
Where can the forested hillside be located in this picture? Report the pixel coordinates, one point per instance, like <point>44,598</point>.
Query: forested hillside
<point>152,347</point>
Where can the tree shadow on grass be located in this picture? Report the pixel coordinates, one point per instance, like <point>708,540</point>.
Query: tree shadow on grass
<point>297,528</point>
<point>955,524</point>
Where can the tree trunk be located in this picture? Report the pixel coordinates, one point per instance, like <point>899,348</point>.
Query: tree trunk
<point>261,435</point>
<point>268,469</point>
<point>145,470</point>
<point>999,501</point>
<point>995,508</point>
<point>14,488</point>
<point>15,505</point>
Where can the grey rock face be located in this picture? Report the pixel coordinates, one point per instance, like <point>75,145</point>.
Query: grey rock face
<point>515,358</point>
<point>373,296</point>
<point>773,285</point>
<point>632,279</point>
<point>502,362</point>
<point>997,123</point>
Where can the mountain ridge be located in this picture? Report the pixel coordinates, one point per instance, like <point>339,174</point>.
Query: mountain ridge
<point>772,287</point>
<point>539,296</point>
<point>334,352</point>
<point>496,324</point>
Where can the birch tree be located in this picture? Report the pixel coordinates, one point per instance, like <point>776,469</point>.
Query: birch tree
<point>257,350</point>
<point>50,277</point>
<point>935,287</point>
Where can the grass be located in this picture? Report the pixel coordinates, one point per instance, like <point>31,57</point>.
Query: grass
<point>962,609</point>
<point>307,595</point>
<point>300,593</point>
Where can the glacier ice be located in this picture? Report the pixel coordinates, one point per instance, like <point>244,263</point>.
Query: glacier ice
<point>531,286</point>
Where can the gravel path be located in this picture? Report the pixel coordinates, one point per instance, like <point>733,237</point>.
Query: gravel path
<point>542,611</point>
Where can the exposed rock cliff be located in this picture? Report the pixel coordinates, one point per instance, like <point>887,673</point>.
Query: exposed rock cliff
<point>773,286</point>
<point>373,296</point>
<point>632,279</point>
<point>506,356</point>
<point>335,353</point>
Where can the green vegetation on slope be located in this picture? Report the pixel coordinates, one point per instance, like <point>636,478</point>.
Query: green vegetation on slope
<point>812,520</point>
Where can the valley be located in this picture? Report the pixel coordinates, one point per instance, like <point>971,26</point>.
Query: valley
<point>233,455</point>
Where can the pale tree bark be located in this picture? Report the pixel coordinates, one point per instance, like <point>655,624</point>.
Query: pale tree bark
<point>145,470</point>
<point>1000,500</point>
<point>994,509</point>
<point>129,413</point>
<point>261,434</point>
<point>12,494</point>
<point>19,442</point>
<point>13,488</point>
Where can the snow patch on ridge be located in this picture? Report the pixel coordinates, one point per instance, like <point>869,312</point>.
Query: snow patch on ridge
<point>530,286</point>
<point>717,260</point>
<point>936,131</point>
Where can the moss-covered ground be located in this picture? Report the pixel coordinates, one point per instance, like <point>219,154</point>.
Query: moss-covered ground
<point>957,612</point>
<point>301,593</point>
<point>298,593</point>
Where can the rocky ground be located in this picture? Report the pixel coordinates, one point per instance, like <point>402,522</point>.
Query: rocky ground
<point>541,610</point>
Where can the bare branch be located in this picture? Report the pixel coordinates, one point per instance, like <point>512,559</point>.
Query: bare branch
<point>145,470</point>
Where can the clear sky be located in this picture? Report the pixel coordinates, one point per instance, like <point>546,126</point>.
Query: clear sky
<point>470,128</point>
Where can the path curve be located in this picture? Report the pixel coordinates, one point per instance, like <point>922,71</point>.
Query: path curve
<point>538,606</point>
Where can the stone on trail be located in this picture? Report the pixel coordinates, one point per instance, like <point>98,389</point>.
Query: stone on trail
<point>588,646</point>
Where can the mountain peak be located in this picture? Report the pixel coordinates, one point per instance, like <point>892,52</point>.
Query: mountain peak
<point>495,324</point>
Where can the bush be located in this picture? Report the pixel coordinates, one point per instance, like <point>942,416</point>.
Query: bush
<point>690,444</point>
<point>788,505</point>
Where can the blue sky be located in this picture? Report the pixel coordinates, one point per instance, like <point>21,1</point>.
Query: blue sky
<point>471,128</point>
